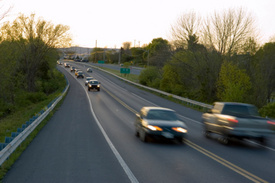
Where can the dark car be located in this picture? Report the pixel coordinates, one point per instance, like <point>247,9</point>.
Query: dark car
<point>236,121</point>
<point>158,122</point>
<point>93,84</point>
<point>79,74</point>
<point>72,69</point>
<point>66,65</point>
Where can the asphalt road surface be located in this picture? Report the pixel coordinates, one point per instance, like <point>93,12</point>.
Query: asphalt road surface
<point>91,139</point>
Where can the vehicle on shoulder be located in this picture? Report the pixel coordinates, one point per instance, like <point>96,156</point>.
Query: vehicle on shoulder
<point>94,84</point>
<point>72,68</point>
<point>80,74</point>
<point>236,121</point>
<point>88,79</point>
<point>89,70</point>
<point>160,123</point>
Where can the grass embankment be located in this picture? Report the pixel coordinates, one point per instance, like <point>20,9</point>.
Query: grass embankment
<point>15,120</point>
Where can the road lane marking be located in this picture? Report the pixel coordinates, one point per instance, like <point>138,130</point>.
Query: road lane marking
<point>209,154</point>
<point>226,163</point>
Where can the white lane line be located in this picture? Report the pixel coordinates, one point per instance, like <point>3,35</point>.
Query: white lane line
<point>127,170</point>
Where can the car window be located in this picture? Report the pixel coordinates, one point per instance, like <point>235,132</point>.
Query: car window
<point>240,110</point>
<point>161,115</point>
<point>94,82</point>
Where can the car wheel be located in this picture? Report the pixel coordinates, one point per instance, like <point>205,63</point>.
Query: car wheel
<point>143,136</point>
<point>263,140</point>
<point>98,89</point>
<point>180,140</point>
<point>206,133</point>
<point>224,140</point>
<point>88,89</point>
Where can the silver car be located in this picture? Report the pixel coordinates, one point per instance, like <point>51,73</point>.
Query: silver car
<point>158,122</point>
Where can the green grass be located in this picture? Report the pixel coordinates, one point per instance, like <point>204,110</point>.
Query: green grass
<point>15,120</point>
<point>6,166</point>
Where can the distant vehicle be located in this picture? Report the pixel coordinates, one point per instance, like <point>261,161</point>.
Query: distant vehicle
<point>88,79</point>
<point>93,84</point>
<point>84,60</point>
<point>79,74</point>
<point>159,122</point>
<point>59,63</point>
<point>66,65</point>
<point>72,68</point>
<point>89,70</point>
<point>76,71</point>
<point>236,120</point>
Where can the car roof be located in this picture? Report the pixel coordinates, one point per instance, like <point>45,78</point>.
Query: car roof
<point>233,103</point>
<point>148,108</point>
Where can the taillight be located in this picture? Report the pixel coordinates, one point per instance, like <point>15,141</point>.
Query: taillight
<point>232,120</point>
<point>271,122</point>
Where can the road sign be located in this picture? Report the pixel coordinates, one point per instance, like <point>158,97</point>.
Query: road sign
<point>124,70</point>
<point>101,62</point>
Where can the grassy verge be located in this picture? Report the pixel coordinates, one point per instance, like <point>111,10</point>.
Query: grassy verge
<point>135,78</point>
<point>16,154</point>
<point>16,119</point>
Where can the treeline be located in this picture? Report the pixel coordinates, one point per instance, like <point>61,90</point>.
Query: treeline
<point>213,59</point>
<point>28,55</point>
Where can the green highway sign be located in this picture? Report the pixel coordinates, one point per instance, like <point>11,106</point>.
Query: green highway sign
<point>124,70</point>
<point>101,62</point>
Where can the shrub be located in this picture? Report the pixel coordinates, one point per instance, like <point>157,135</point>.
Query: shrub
<point>268,110</point>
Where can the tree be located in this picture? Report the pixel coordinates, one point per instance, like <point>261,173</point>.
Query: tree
<point>159,52</point>
<point>35,40</point>
<point>227,32</point>
<point>233,83</point>
<point>263,74</point>
<point>186,27</point>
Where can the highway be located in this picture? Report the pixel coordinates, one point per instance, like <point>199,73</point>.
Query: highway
<point>91,139</point>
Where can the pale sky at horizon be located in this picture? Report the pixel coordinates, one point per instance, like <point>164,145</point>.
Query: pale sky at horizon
<point>110,22</point>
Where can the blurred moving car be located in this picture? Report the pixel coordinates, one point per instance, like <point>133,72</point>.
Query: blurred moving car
<point>93,84</point>
<point>89,70</point>
<point>159,122</point>
<point>59,63</point>
<point>87,80</point>
<point>72,68</point>
<point>79,74</point>
<point>236,120</point>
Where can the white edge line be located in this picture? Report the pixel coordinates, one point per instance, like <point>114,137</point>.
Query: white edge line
<point>127,170</point>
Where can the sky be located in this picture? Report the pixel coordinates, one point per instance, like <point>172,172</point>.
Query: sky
<point>109,23</point>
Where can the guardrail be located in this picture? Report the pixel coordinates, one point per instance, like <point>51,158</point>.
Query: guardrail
<point>22,133</point>
<point>185,100</point>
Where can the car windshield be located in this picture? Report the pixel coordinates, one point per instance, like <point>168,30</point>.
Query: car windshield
<point>240,110</point>
<point>93,82</point>
<point>162,115</point>
<point>89,78</point>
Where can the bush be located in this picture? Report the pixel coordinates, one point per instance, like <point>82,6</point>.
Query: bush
<point>150,77</point>
<point>268,110</point>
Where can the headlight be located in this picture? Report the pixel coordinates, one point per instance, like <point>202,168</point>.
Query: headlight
<point>180,129</point>
<point>154,128</point>
<point>98,86</point>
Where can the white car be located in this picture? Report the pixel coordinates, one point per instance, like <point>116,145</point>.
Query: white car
<point>89,70</point>
<point>87,80</point>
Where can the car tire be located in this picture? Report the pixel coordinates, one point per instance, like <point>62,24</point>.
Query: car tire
<point>225,140</point>
<point>143,136</point>
<point>181,140</point>
<point>98,89</point>
<point>88,89</point>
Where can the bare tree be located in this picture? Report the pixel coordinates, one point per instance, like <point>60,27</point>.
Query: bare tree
<point>186,26</point>
<point>228,31</point>
<point>4,10</point>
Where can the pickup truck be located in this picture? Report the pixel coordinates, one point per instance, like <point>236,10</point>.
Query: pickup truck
<point>236,120</point>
